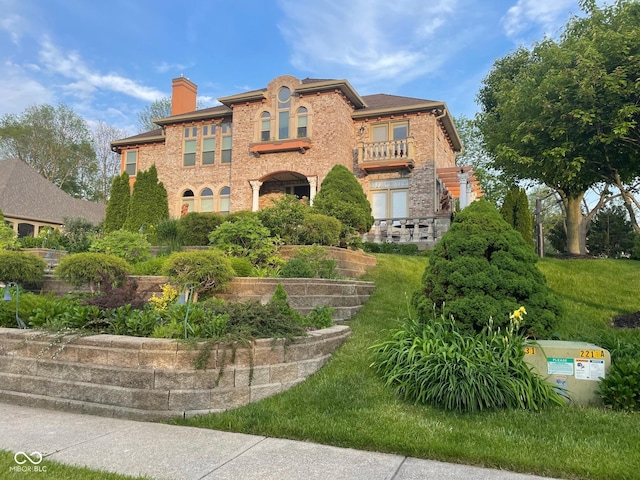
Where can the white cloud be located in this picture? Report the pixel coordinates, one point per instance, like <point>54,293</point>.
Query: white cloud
<point>19,91</point>
<point>87,81</point>
<point>14,25</point>
<point>548,15</point>
<point>367,40</point>
<point>164,67</point>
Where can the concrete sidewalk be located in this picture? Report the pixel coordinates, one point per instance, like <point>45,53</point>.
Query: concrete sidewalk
<point>174,452</point>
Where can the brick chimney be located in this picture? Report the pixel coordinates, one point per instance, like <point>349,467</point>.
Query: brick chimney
<point>183,96</point>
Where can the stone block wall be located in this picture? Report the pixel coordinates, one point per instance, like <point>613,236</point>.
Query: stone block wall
<point>151,379</point>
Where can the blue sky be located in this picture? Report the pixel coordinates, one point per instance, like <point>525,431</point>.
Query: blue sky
<point>109,59</point>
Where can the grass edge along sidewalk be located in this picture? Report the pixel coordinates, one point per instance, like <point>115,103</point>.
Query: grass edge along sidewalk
<point>345,404</point>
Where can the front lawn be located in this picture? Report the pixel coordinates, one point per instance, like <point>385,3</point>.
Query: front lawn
<point>346,404</point>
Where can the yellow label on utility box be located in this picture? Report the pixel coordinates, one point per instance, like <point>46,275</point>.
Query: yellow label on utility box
<point>529,350</point>
<point>592,354</point>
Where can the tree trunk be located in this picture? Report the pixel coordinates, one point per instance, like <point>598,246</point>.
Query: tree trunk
<point>576,226</point>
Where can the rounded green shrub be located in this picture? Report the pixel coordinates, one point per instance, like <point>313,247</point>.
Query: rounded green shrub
<point>483,268</point>
<point>152,266</point>
<point>247,237</point>
<point>284,218</point>
<point>92,268</point>
<point>620,389</point>
<point>23,268</point>
<point>309,262</point>
<point>208,270</point>
<point>438,363</point>
<point>194,228</point>
<point>320,229</point>
<point>131,246</point>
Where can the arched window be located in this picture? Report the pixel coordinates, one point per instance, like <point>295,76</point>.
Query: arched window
<point>225,200</point>
<point>188,204</point>
<point>302,122</point>
<point>265,126</point>
<point>206,200</point>
<point>284,104</point>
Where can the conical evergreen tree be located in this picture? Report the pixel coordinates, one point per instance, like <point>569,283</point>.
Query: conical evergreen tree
<point>342,197</point>
<point>118,205</point>
<point>516,212</point>
<point>148,205</point>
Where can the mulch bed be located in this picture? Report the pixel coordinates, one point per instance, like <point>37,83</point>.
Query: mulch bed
<point>630,320</point>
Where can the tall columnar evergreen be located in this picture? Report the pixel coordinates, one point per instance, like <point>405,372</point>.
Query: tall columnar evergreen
<point>342,197</point>
<point>516,212</point>
<point>118,205</point>
<point>149,204</point>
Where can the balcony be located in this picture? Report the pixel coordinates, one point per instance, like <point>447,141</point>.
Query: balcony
<point>385,156</point>
<point>297,144</point>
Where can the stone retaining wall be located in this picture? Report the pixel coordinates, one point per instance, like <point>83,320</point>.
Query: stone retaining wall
<point>346,297</point>
<point>349,263</point>
<point>150,379</point>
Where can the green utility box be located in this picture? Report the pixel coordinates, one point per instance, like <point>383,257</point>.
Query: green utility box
<point>574,367</point>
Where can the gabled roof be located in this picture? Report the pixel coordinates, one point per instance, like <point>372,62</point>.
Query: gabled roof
<point>25,194</point>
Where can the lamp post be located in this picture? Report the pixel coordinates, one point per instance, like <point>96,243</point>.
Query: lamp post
<point>7,298</point>
<point>185,298</point>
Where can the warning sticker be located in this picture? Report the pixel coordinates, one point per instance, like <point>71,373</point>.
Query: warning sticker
<point>589,369</point>
<point>560,366</point>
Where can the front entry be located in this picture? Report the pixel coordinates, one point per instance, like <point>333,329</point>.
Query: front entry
<point>275,185</point>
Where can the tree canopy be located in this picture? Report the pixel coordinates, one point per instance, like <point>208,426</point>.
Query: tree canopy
<point>565,113</point>
<point>55,142</point>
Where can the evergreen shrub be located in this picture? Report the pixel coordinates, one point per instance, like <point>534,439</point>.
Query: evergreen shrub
<point>284,218</point>
<point>207,270</point>
<point>194,228</point>
<point>482,268</point>
<point>92,269</point>
<point>342,197</point>
<point>24,268</point>
<point>320,229</point>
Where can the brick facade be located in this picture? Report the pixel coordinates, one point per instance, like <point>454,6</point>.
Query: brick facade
<point>338,124</point>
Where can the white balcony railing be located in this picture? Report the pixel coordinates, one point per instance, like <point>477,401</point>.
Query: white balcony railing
<point>387,151</point>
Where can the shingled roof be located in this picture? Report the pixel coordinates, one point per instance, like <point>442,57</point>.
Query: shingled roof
<point>25,194</point>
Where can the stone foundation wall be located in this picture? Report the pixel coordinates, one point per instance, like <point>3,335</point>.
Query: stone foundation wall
<point>150,379</point>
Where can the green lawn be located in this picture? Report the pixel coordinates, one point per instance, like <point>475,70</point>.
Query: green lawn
<point>49,469</point>
<point>345,404</point>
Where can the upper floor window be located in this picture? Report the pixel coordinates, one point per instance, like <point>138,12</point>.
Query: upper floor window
<point>208,150</point>
<point>302,122</point>
<point>390,131</point>
<point>226,142</point>
<point>265,126</point>
<point>131,162</point>
<point>189,151</point>
<point>284,105</point>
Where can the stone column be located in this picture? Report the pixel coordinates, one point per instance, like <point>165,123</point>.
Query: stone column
<point>463,178</point>
<point>255,201</point>
<point>313,188</point>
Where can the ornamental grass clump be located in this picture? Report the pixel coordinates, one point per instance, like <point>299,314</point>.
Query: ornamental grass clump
<point>438,363</point>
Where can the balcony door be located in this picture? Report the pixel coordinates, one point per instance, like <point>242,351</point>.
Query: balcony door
<point>390,204</point>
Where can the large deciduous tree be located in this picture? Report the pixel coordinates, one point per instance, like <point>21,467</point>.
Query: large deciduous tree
<point>565,113</point>
<point>56,142</point>
<point>107,161</point>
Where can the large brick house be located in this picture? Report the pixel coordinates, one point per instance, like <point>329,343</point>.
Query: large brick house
<point>286,137</point>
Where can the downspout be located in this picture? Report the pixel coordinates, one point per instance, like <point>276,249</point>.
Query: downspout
<point>436,201</point>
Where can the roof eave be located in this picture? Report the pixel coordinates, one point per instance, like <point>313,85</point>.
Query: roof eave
<point>253,96</point>
<point>190,117</point>
<point>343,85</point>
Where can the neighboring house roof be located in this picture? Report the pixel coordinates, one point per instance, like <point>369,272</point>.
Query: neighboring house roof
<point>25,194</point>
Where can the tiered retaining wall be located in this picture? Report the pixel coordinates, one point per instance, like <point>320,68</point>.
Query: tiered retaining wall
<point>344,296</point>
<point>150,379</point>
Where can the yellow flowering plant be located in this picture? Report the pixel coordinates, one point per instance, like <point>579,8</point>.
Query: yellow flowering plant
<point>168,297</point>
